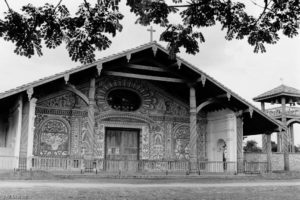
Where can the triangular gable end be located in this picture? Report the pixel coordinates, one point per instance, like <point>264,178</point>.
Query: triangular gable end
<point>185,73</point>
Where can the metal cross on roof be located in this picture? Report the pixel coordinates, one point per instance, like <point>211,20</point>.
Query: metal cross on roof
<point>151,30</point>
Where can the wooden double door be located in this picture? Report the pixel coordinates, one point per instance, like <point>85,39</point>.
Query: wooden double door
<point>122,144</point>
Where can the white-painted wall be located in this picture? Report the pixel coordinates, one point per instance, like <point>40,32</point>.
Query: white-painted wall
<point>221,125</point>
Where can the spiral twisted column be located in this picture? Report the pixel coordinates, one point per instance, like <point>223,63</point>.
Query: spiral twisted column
<point>285,139</point>
<point>91,118</point>
<point>193,130</point>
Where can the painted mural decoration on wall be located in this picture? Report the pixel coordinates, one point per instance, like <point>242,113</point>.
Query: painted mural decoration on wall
<point>157,146</point>
<point>170,107</point>
<point>75,136</point>
<point>145,150</point>
<point>158,116</point>
<point>64,100</point>
<point>99,140</point>
<point>54,138</point>
<point>202,137</point>
<point>105,85</point>
<point>182,138</point>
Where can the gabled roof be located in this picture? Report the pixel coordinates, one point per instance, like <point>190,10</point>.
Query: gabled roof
<point>281,90</point>
<point>125,53</point>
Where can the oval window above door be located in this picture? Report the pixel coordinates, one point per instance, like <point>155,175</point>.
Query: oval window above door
<point>124,100</point>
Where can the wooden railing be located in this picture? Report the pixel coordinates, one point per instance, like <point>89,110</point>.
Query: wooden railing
<point>255,167</point>
<point>217,167</point>
<point>46,163</point>
<point>101,165</point>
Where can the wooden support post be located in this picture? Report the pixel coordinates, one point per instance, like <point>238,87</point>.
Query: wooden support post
<point>240,134</point>
<point>269,153</point>
<point>18,131</point>
<point>30,132</point>
<point>264,137</point>
<point>292,138</point>
<point>279,141</point>
<point>91,117</point>
<point>285,143</point>
<point>193,130</point>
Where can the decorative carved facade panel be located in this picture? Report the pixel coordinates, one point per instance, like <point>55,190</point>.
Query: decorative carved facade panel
<point>162,120</point>
<point>156,132</point>
<point>64,100</point>
<point>182,139</point>
<point>53,138</point>
<point>202,139</point>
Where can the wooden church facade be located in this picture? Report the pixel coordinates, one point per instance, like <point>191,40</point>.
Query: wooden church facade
<point>136,110</point>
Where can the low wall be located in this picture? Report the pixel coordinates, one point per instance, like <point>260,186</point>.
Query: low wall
<point>8,162</point>
<point>294,161</point>
<point>6,151</point>
<point>277,160</point>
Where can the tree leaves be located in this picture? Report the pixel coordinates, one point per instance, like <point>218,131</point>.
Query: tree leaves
<point>83,34</point>
<point>90,28</point>
<point>179,36</point>
<point>156,11</point>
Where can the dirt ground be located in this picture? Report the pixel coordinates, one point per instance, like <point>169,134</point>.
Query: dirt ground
<point>46,186</point>
<point>162,188</point>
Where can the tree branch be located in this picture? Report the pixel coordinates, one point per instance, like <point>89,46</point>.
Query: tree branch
<point>264,11</point>
<point>58,5</point>
<point>7,5</point>
<point>179,6</point>
<point>87,5</point>
<point>260,5</point>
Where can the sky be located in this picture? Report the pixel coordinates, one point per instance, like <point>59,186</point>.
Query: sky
<point>232,63</point>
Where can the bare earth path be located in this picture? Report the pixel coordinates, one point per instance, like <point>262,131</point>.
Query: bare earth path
<point>79,189</point>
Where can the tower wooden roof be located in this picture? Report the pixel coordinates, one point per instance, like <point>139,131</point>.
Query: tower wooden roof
<point>278,92</point>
